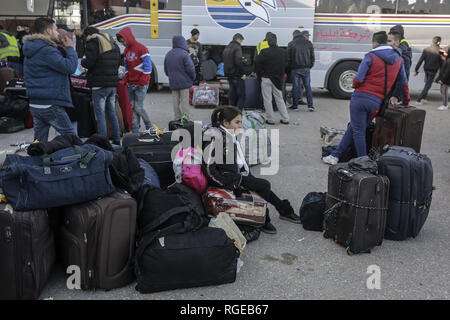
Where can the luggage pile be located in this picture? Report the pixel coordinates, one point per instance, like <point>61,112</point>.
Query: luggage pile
<point>118,217</point>
<point>14,107</point>
<point>386,195</point>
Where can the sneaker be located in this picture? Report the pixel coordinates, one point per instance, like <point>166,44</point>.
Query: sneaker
<point>270,122</point>
<point>419,103</point>
<point>302,103</point>
<point>287,212</point>
<point>311,109</point>
<point>269,228</point>
<point>443,108</point>
<point>424,101</point>
<point>293,108</point>
<point>284,122</point>
<point>330,160</point>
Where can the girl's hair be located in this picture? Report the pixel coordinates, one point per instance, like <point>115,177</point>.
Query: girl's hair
<point>222,114</point>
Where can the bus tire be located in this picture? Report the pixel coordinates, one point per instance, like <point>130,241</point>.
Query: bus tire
<point>341,79</point>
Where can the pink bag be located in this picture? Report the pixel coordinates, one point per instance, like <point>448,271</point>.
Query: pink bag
<point>188,169</point>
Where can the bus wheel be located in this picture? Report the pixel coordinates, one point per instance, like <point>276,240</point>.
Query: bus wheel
<point>341,79</point>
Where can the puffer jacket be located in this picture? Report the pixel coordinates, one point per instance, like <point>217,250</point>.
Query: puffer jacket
<point>178,65</point>
<point>225,174</point>
<point>46,71</point>
<point>102,61</point>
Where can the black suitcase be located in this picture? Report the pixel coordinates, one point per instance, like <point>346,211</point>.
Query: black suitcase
<point>10,125</point>
<point>86,119</point>
<point>205,257</point>
<point>253,93</point>
<point>156,150</point>
<point>411,178</point>
<point>27,253</point>
<point>99,237</point>
<point>357,201</point>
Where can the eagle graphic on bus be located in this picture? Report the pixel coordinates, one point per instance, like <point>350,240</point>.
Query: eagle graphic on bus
<point>237,14</point>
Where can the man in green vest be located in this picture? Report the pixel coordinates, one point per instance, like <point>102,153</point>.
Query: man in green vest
<point>9,49</point>
<point>263,44</point>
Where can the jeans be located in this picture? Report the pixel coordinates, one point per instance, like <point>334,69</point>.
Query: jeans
<point>54,116</point>
<point>236,94</point>
<point>429,76</point>
<point>305,76</point>
<point>137,98</point>
<point>104,100</point>
<point>362,108</point>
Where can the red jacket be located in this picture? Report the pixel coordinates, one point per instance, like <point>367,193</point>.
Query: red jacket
<point>138,63</point>
<point>371,73</point>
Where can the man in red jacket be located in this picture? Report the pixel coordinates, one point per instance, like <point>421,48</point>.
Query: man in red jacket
<point>369,85</point>
<point>138,66</point>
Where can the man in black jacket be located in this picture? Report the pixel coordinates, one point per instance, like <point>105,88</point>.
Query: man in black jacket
<point>102,61</point>
<point>271,64</point>
<point>300,60</point>
<point>234,70</point>
<point>432,59</point>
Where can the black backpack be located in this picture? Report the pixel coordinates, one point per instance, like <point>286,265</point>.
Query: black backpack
<point>312,211</point>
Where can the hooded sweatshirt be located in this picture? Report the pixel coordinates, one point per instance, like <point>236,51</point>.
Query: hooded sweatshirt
<point>46,71</point>
<point>138,63</point>
<point>178,65</point>
<point>371,73</point>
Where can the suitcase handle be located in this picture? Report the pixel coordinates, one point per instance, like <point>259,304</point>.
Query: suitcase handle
<point>344,174</point>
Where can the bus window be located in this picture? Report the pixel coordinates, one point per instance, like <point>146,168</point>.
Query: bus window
<point>356,6</point>
<point>424,7</point>
<point>101,10</point>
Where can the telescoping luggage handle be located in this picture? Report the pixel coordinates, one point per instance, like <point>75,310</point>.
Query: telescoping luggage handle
<point>84,159</point>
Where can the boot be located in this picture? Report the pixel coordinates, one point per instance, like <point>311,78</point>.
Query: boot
<point>287,212</point>
<point>268,227</point>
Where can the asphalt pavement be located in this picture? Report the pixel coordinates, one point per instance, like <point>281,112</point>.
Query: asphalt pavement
<point>299,264</point>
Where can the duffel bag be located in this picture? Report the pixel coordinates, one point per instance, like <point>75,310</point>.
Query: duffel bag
<point>68,176</point>
<point>150,176</point>
<point>205,257</point>
<point>312,211</point>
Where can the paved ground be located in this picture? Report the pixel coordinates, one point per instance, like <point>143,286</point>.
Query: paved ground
<point>298,264</point>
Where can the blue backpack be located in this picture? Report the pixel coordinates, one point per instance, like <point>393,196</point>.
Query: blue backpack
<point>151,177</point>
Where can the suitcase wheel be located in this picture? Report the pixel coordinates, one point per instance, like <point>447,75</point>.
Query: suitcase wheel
<point>325,235</point>
<point>349,252</point>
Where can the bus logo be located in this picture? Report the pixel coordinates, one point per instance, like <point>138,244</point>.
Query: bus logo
<point>238,14</point>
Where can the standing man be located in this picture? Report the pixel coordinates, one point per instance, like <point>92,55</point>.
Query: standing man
<point>369,85</point>
<point>46,74</point>
<point>300,60</point>
<point>179,67</point>
<point>271,64</point>
<point>9,50</point>
<point>102,61</point>
<point>432,58</point>
<point>138,68</point>
<point>404,46</point>
<point>234,70</point>
<point>195,51</point>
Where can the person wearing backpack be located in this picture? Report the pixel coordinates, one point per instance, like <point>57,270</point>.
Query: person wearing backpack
<point>225,166</point>
<point>444,79</point>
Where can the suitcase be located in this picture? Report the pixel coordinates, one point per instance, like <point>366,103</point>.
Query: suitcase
<point>248,209</point>
<point>156,150</point>
<point>400,126</point>
<point>86,119</point>
<point>253,93</point>
<point>356,206</point>
<point>206,257</point>
<point>10,125</point>
<point>99,237</point>
<point>27,251</point>
<point>411,188</point>
<point>6,74</point>
<point>125,106</point>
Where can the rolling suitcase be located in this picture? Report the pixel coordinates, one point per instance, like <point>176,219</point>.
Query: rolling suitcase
<point>206,257</point>
<point>99,237</point>
<point>6,74</point>
<point>248,209</point>
<point>411,188</point>
<point>356,204</point>
<point>86,118</point>
<point>156,150</point>
<point>400,126</point>
<point>253,93</point>
<point>27,253</point>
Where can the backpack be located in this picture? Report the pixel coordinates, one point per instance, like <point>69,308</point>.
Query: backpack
<point>312,211</point>
<point>188,169</point>
<point>256,144</point>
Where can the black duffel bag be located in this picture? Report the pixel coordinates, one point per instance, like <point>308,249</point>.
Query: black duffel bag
<point>312,211</point>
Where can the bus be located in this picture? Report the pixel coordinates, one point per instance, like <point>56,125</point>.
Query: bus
<point>341,30</point>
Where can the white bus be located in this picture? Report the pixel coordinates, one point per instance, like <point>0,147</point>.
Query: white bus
<point>341,30</point>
